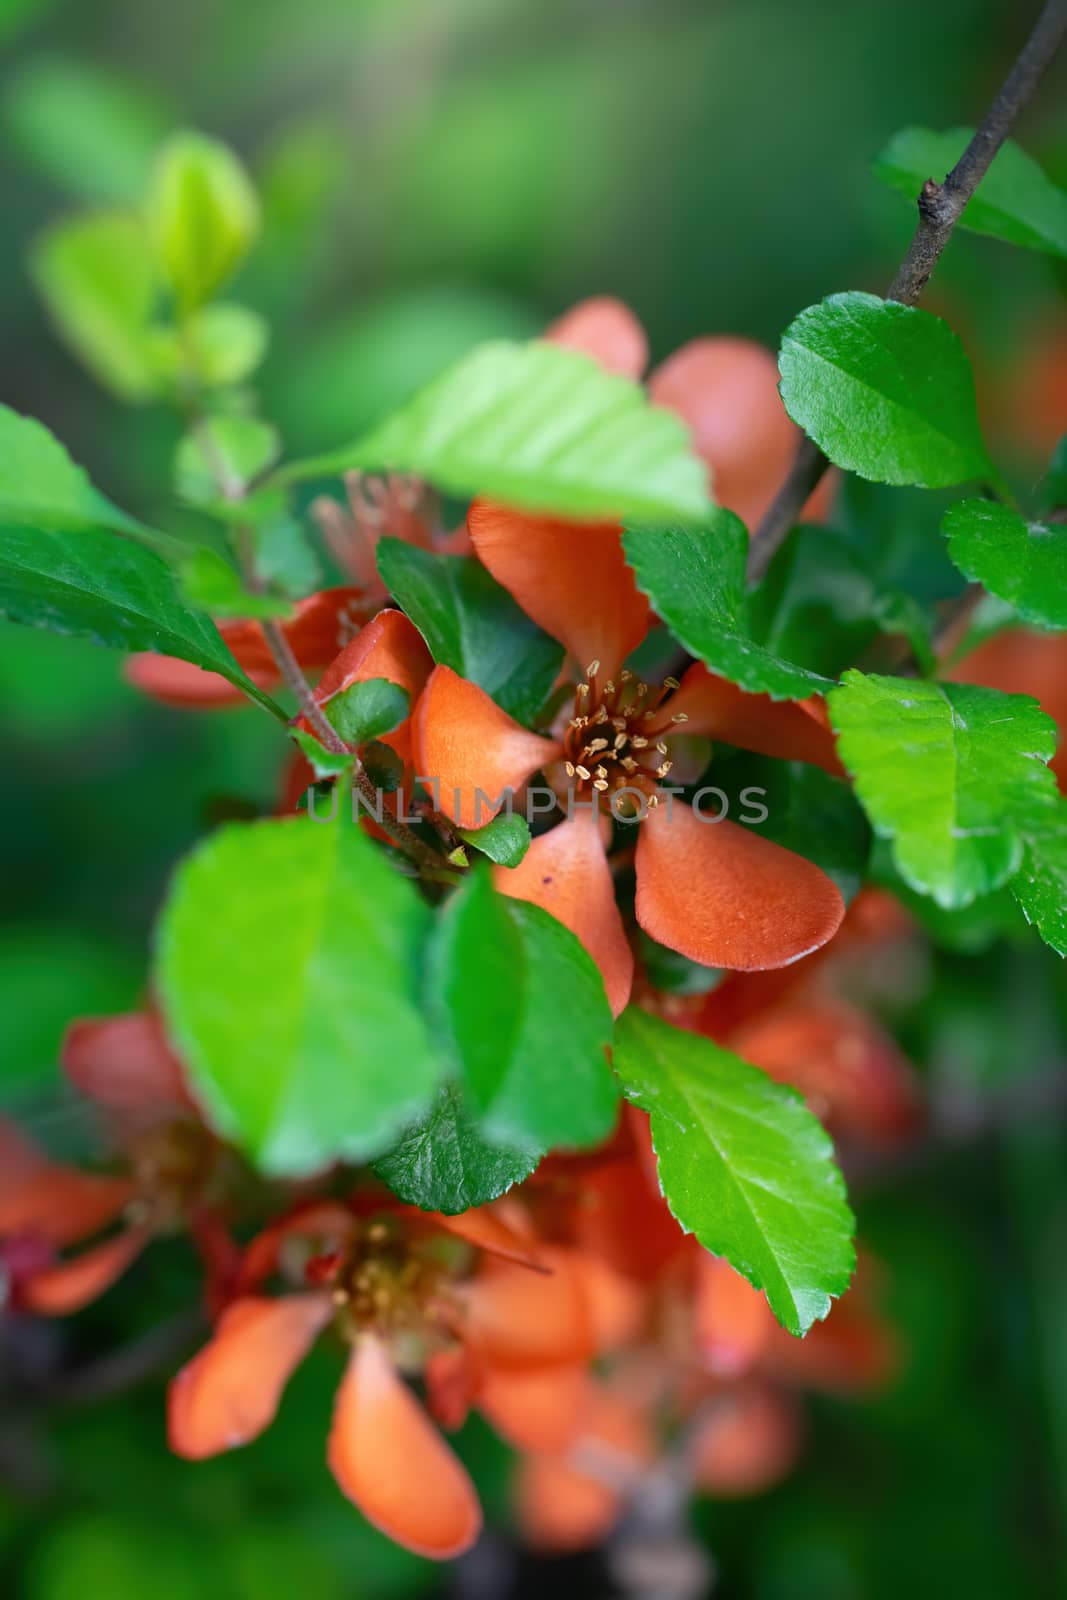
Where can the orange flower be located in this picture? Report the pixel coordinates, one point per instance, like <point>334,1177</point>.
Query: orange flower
<point>719,893</point>
<point>319,627</point>
<point>394,506</point>
<point>724,388</point>
<point>469,1301</point>
<point>171,1169</point>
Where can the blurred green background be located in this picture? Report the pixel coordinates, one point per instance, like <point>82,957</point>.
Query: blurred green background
<point>435,172</point>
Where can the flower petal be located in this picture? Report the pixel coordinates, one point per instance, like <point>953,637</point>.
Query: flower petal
<point>124,1062</point>
<point>391,647</point>
<point>65,1288</point>
<point>390,1460</point>
<point>485,1229</point>
<point>571,578</point>
<point>726,389</point>
<point>544,1409</point>
<point>471,750</point>
<point>733,1320</point>
<point>179,683</point>
<point>605,329</point>
<point>517,1318</point>
<point>726,897</point>
<point>791,730</point>
<point>230,1392</point>
<point>565,872</point>
<point>748,1441</point>
<point>46,1201</point>
<point>560,1506</point>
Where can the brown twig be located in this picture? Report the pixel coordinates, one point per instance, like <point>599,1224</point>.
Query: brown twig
<point>940,208</point>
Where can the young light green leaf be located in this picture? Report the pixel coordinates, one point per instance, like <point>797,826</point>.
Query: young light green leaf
<point>526,1011</point>
<point>946,771</point>
<point>695,578</point>
<point>203,215</point>
<point>41,487</point>
<point>445,1163</point>
<point>97,279</point>
<point>539,427</point>
<point>473,625</point>
<point>210,584</point>
<point>505,840</point>
<point>1015,201</point>
<point>288,964</point>
<point>111,590</point>
<point>1022,563</point>
<point>885,390</point>
<point>1040,885</point>
<point>221,451</point>
<point>367,709</point>
<point>324,763</point>
<point>743,1164</point>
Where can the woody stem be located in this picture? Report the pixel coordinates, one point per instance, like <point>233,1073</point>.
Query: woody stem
<point>940,208</point>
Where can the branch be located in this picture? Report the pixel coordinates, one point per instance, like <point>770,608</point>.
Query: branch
<point>940,208</point>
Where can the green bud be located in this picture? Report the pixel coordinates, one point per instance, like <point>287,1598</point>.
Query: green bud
<point>203,216</point>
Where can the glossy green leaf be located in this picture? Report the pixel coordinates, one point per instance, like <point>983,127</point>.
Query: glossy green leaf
<point>367,709</point>
<point>108,589</point>
<point>885,390</point>
<point>1054,487</point>
<point>473,625</point>
<point>289,955</point>
<point>537,426</point>
<point>445,1163</point>
<point>1015,201</point>
<point>525,1008</point>
<point>1022,563</point>
<point>1040,885</point>
<point>945,771</point>
<point>505,840</point>
<point>695,579</point>
<point>744,1165</point>
<point>97,279</point>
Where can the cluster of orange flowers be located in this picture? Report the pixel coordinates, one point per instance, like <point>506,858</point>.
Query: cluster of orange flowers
<point>573,1313</point>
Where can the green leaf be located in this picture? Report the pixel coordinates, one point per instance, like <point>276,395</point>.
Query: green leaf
<point>1015,201</point>
<point>226,343</point>
<point>743,1164</point>
<point>945,771</point>
<point>97,279</point>
<point>233,449</point>
<point>324,763</point>
<point>473,625</point>
<point>203,216</point>
<point>525,1008</point>
<point>41,486</point>
<point>288,962</point>
<point>1040,886</point>
<point>807,811</point>
<point>695,578</point>
<point>445,1163</point>
<point>210,584</point>
<point>284,555</point>
<point>1023,563</point>
<point>505,840</point>
<point>110,590</point>
<point>885,391</point>
<point>537,426</point>
<point>368,709</point>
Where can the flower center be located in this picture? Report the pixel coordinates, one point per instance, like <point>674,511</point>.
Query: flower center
<point>613,744</point>
<point>385,1284</point>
